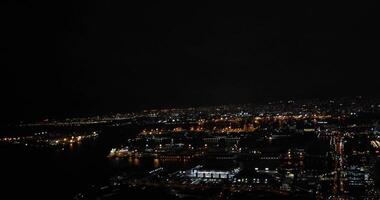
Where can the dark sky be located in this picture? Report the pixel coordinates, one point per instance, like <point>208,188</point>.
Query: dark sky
<point>80,58</point>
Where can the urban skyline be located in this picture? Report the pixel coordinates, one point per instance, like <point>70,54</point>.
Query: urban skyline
<point>186,100</point>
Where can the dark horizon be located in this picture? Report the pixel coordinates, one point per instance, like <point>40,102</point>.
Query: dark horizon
<point>85,58</point>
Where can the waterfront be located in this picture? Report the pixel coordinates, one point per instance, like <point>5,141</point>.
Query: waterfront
<point>55,173</point>
<point>226,152</point>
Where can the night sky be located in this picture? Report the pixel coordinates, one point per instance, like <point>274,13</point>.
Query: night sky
<point>78,58</point>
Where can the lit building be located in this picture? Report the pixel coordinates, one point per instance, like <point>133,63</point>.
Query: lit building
<point>202,172</point>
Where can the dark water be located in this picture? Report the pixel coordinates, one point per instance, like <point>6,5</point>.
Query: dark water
<point>50,174</point>
<point>53,173</point>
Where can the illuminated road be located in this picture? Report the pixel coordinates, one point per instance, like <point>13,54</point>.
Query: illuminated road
<point>338,173</point>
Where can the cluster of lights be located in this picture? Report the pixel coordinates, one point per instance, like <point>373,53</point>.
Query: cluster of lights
<point>56,141</point>
<point>375,144</point>
<point>70,140</point>
<point>229,129</point>
<point>12,139</point>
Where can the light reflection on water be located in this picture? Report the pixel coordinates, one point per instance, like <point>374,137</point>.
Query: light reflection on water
<point>149,163</point>
<point>130,160</point>
<point>156,162</point>
<point>136,161</point>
